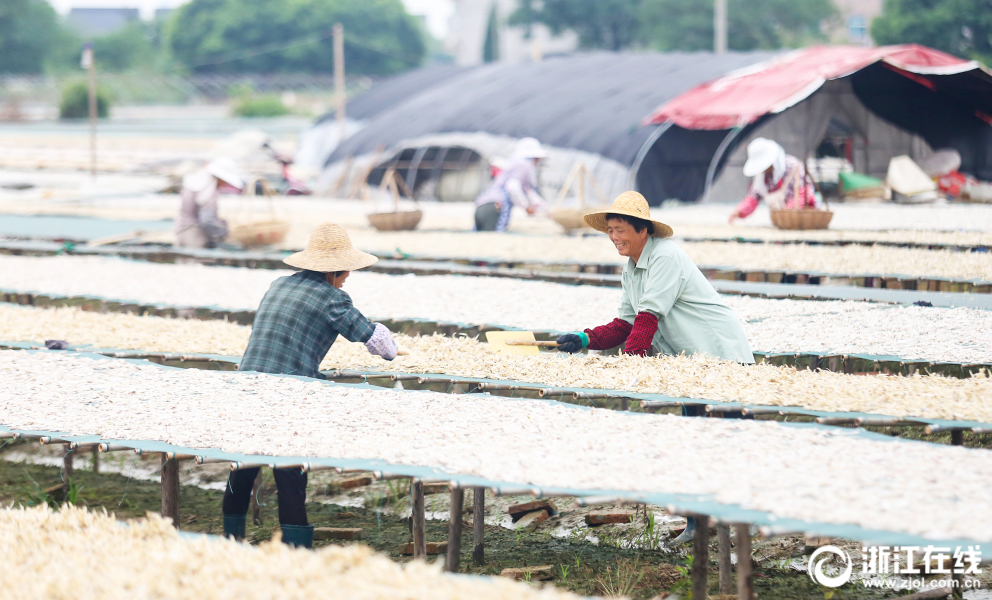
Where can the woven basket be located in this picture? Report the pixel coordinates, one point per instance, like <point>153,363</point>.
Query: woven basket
<point>259,233</point>
<point>801,218</point>
<point>570,219</point>
<point>396,221</point>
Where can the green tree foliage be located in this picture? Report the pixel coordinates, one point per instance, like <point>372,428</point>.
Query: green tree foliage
<point>76,101</point>
<point>490,47</point>
<point>961,27</point>
<point>262,36</point>
<point>608,24</point>
<point>679,24</point>
<point>751,24</point>
<point>130,47</point>
<point>28,28</point>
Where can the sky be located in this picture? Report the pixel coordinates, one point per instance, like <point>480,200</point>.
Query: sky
<point>438,12</point>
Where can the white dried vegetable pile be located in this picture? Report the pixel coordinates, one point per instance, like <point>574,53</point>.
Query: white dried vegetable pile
<point>699,377</point>
<point>933,397</point>
<point>843,260</point>
<point>75,553</point>
<point>758,465</point>
<point>910,332</point>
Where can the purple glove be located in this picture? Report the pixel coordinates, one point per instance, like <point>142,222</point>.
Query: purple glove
<point>381,343</point>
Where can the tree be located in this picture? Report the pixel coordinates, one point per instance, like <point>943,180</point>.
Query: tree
<point>490,47</point>
<point>751,24</point>
<point>262,36</point>
<point>28,28</point>
<point>130,47</point>
<point>961,27</point>
<point>679,24</point>
<point>608,24</point>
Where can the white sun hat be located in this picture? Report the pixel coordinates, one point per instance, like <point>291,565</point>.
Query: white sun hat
<point>529,147</point>
<point>761,154</point>
<point>225,169</point>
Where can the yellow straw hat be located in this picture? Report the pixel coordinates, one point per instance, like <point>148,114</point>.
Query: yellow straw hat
<point>330,250</point>
<point>631,204</point>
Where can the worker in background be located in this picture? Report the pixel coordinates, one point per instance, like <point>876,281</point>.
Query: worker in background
<point>199,225</point>
<point>667,306</point>
<point>514,185</point>
<point>780,180</point>
<point>297,322</point>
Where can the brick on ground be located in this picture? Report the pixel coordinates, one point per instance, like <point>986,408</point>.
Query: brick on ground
<point>438,487</point>
<point>354,482</point>
<point>607,517</point>
<point>518,510</point>
<point>432,548</point>
<point>532,520</point>
<point>541,573</point>
<point>337,533</point>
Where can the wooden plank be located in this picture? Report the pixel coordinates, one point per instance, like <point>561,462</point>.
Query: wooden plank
<point>417,519</point>
<point>723,548</point>
<point>745,585</point>
<point>170,490</point>
<point>455,530</point>
<point>478,526</point>
<point>700,556</point>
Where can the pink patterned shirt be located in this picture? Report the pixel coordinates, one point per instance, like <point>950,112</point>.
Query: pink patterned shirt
<point>806,198</point>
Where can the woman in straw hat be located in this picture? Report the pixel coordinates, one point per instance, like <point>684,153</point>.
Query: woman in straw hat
<point>199,224</point>
<point>667,306</point>
<point>779,178</point>
<point>298,320</point>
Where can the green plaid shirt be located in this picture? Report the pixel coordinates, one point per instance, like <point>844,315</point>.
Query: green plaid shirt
<point>297,322</point>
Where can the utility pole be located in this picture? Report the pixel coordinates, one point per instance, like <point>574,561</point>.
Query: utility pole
<point>87,62</point>
<point>719,26</point>
<point>339,92</point>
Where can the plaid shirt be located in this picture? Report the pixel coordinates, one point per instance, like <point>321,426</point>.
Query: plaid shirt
<point>297,322</point>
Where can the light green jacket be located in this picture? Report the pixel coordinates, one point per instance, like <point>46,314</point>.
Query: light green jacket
<point>691,315</point>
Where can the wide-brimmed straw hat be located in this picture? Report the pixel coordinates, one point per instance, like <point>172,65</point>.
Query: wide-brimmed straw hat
<point>761,154</point>
<point>225,169</point>
<point>328,250</point>
<point>631,204</point>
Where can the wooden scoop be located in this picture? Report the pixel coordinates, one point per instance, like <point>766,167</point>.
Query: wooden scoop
<point>547,344</point>
<point>521,343</point>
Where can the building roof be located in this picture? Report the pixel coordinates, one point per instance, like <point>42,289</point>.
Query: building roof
<point>594,102</point>
<point>100,21</point>
<point>741,97</point>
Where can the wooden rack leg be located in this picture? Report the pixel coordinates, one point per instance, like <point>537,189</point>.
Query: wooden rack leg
<point>170,490</point>
<point>745,588</point>
<point>95,457</point>
<point>957,437</point>
<point>723,548</point>
<point>455,530</point>
<point>67,467</point>
<point>700,556</point>
<point>417,519</point>
<point>479,526</point>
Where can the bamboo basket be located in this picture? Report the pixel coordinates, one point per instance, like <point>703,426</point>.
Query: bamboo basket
<point>259,233</point>
<point>256,232</point>
<point>571,219</point>
<point>801,218</point>
<point>396,221</point>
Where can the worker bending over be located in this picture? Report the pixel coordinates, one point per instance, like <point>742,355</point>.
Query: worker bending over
<point>515,185</point>
<point>779,179</point>
<point>667,306</point>
<point>199,224</point>
<point>297,322</point>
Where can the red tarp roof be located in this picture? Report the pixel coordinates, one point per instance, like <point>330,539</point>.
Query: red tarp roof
<point>740,97</point>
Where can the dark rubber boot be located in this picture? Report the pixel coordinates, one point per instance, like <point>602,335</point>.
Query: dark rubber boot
<point>234,526</point>
<point>690,531</point>
<point>298,536</point>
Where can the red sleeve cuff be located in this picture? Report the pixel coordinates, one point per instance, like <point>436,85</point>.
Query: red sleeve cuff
<point>642,334</point>
<point>608,336</point>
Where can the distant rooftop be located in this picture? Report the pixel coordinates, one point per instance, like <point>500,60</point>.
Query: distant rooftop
<point>100,21</point>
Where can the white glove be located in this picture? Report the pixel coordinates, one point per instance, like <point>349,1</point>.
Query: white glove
<point>381,343</point>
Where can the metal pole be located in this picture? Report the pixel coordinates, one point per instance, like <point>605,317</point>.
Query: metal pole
<point>719,26</point>
<point>339,92</point>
